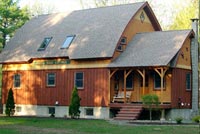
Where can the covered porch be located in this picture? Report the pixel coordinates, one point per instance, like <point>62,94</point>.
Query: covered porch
<point>128,85</point>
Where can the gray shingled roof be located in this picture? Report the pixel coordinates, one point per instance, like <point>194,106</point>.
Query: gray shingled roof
<point>97,33</point>
<point>151,49</point>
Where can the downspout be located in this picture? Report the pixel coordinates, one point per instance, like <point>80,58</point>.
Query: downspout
<point>195,76</point>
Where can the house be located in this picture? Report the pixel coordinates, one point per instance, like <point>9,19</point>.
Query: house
<point>103,51</point>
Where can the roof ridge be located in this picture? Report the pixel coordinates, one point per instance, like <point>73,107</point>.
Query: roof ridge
<point>95,8</point>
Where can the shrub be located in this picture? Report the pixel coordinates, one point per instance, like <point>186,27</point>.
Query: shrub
<point>196,118</point>
<point>10,104</point>
<point>151,101</point>
<point>74,106</point>
<point>179,120</point>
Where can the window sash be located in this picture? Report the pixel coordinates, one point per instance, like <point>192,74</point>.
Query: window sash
<point>51,79</point>
<point>188,81</point>
<point>17,81</point>
<point>129,82</point>
<point>157,82</point>
<point>45,43</point>
<point>79,80</point>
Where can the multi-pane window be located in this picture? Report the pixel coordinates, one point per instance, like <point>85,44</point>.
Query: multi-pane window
<point>68,41</point>
<point>17,80</point>
<point>157,81</point>
<point>45,43</point>
<point>51,79</point>
<point>79,80</point>
<point>188,81</point>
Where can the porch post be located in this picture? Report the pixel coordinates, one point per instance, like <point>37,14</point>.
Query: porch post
<point>125,76</point>
<point>161,73</point>
<point>125,86</point>
<point>110,76</point>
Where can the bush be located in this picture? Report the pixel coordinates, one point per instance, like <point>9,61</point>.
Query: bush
<point>196,118</point>
<point>10,104</point>
<point>151,101</point>
<point>74,106</point>
<point>179,120</point>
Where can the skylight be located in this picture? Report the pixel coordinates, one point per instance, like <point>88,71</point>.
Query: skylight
<point>44,44</point>
<point>68,41</point>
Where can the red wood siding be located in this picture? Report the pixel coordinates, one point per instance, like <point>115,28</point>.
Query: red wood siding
<point>34,90</point>
<point>179,89</point>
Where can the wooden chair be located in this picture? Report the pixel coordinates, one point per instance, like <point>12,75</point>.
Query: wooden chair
<point>120,96</point>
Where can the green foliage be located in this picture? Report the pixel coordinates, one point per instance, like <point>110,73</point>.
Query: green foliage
<point>196,118</point>
<point>10,104</point>
<point>179,120</point>
<point>151,101</point>
<point>11,18</point>
<point>74,106</point>
<point>182,20</point>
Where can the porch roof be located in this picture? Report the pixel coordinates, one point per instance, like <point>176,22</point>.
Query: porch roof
<point>152,49</point>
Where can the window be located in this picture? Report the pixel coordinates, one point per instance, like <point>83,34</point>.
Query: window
<point>188,81</point>
<point>119,48</point>
<point>89,111</point>
<point>51,110</point>
<point>157,81</point>
<point>18,109</point>
<point>51,79</point>
<point>45,43</point>
<point>79,80</point>
<point>17,81</point>
<point>123,40</point>
<point>129,81</point>
<point>68,41</point>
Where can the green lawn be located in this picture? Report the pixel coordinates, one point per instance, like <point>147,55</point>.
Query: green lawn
<point>16,125</point>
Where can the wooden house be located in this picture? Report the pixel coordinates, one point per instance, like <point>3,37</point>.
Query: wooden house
<point>105,52</point>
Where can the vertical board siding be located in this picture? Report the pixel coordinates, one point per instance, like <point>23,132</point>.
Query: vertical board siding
<point>34,91</point>
<point>179,89</point>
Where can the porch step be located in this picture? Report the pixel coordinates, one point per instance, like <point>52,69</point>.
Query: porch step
<point>131,112</point>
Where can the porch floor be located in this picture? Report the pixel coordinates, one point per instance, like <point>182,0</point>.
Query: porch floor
<point>120,105</point>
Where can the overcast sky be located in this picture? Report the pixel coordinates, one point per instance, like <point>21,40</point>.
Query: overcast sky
<point>164,9</point>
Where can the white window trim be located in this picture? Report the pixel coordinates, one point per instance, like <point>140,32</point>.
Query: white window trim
<point>75,80</point>
<point>47,79</point>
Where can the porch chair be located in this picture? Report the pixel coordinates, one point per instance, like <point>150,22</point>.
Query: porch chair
<point>120,96</point>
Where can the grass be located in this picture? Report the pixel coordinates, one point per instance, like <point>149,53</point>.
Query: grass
<point>16,125</point>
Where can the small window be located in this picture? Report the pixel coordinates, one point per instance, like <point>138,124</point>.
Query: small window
<point>68,41</point>
<point>18,109</point>
<point>123,41</point>
<point>45,43</point>
<point>51,110</point>
<point>89,111</point>
<point>157,82</point>
<point>129,81</point>
<point>120,48</point>
<point>51,79</point>
<point>79,80</point>
<point>188,81</point>
<point>17,81</point>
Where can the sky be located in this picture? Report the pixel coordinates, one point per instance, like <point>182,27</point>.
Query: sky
<point>163,9</point>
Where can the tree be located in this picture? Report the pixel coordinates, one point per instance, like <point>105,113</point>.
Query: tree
<point>40,7</point>
<point>74,106</point>
<point>11,18</point>
<point>151,101</point>
<point>10,104</point>
<point>182,20</point>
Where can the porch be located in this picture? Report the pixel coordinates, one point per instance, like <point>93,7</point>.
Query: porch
<point>128,85</point>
